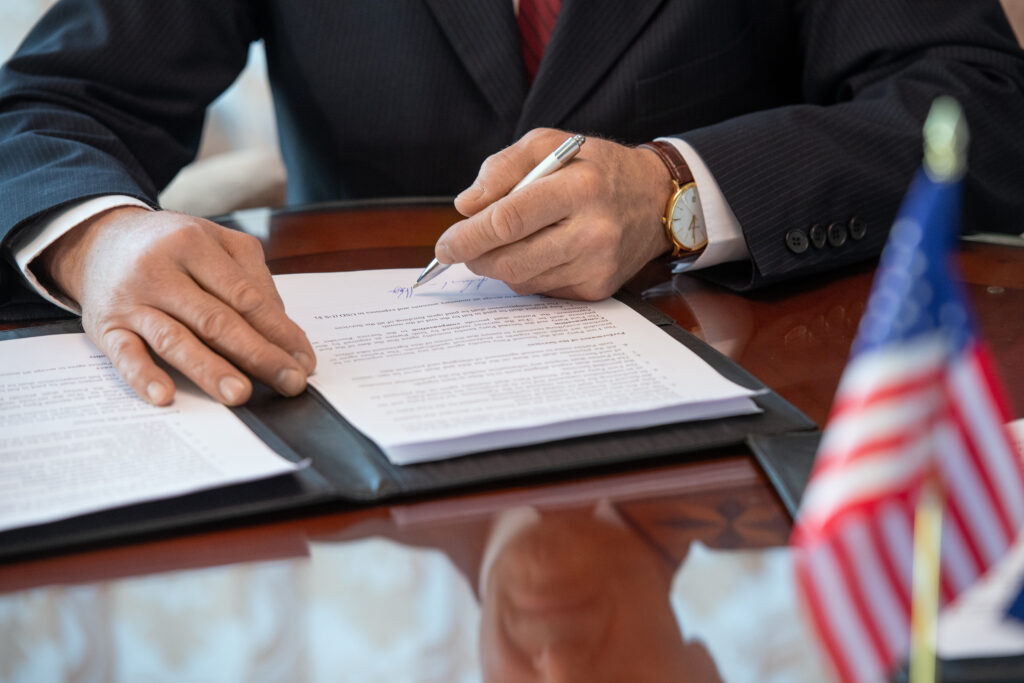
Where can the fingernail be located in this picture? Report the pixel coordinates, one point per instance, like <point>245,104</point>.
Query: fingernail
<point>442,252</point>
<point>304,360</point>
<point>471,193</point>
<point>290,382</point>
<point>157,393</point>
<point>232,389</point>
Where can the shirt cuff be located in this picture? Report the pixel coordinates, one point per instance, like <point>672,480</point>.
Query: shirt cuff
<point>725,236</point>
<point>33,238</point>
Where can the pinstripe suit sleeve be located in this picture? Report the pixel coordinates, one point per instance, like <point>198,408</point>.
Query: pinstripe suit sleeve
<point>871,71</point>
<point>83,113</point>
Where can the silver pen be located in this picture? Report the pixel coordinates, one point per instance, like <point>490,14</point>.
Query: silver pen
<point>566,151</point>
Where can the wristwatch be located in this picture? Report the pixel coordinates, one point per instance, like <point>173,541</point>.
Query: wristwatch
<point>684,217</point>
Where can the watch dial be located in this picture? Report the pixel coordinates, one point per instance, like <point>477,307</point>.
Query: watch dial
<point>688,219</point>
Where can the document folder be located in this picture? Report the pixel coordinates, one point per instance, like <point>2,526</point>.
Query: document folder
<point>347,469</point>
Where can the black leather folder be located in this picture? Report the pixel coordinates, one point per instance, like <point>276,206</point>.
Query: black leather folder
<point>787,460</point>
<point>347,469</point>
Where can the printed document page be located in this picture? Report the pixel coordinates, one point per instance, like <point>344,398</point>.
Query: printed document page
<point>463,364</point>
<point>74,438</point>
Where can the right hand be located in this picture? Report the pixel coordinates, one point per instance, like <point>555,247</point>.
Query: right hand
<point>197,294</point>
<point>579,233</point>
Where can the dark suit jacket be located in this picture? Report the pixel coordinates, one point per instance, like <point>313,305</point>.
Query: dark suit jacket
<point>806,111</point>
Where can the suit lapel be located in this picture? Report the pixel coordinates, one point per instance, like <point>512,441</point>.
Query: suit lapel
<point>484,35</point>
<point>589,37</point>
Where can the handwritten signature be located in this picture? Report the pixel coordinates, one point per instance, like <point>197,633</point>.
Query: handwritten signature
<point>462,286</point>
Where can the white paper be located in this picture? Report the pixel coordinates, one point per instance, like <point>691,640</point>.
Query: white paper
<point>463,364</point>
<point>975,624</point>
<point>74,438</point>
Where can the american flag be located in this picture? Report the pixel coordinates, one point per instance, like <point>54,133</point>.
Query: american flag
<point>918,401</point>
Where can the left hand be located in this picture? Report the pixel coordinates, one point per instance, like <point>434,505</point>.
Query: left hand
<point>579,232</point>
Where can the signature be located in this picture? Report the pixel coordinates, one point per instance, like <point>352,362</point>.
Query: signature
<point>461,286</point>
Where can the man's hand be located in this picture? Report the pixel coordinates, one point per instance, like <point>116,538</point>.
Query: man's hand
<point>197,294</point>
<point>579,232</point>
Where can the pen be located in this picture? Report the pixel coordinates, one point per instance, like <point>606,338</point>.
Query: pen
<point>566,151</point>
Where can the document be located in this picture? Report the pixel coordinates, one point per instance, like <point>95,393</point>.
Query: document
<point>74,438</point>
<point>458,366</point>
<point>463,364</point>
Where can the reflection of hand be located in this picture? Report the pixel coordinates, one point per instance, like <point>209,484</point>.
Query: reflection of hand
<point>197,294</point>
<point>570,597</point>
<point>579,232</point>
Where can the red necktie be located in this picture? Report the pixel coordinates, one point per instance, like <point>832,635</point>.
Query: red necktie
<point>536,22</point>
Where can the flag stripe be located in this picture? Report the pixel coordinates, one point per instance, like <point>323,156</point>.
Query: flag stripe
<point>969,555</point>
<point>983,420</point>
<point>850,647</point>
<point>846,563</point>
<point>878,420</point>
<point>985,367</point>
<point>876,591</point>
<point>870,369</point>
<point>958,567</point>
<point>924,380</point>
<point>835,491</point>
<point>816,606</point>
<point>883,445</point>
<point>891,532</point>
<point>971,492</point>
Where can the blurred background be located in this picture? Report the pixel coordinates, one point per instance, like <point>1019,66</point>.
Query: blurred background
<point>238,166</point>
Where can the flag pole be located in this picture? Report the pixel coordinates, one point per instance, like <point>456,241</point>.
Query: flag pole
<point>945,147</point>
<point>924,606</point>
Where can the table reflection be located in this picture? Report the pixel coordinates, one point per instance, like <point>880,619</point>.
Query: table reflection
<point>578,596</point>
<point>575,582</point>
<point>364,610</point>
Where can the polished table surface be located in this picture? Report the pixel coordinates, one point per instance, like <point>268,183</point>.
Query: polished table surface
<point>673,571</point>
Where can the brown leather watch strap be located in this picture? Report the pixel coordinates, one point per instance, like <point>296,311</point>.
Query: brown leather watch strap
<point>673,160</point>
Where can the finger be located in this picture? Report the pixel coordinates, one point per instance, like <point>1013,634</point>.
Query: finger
<point>130,357</point>
<point>574,259</point>
<point>581,291</point>
<point>224,330</point>
<point>563,281</point>
<point>500,172</point>
<point>271,321</point>
<point>507,221</point>
<point>179,348</point>
<point>251,293</point>
<point>542,252</point>
<point>248,252</point>
<point>586,282</point>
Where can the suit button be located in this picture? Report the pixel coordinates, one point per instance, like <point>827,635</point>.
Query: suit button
<point>858,228</point>
<point>818,236</point>
<point>837,234</point>
<point>796,241</point>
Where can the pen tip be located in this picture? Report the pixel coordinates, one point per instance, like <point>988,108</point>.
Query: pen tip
<point>416,284</point>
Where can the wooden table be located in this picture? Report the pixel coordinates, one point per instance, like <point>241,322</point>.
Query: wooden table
<point>393,592</point>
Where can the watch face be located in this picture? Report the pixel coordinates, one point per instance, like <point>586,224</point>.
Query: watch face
<point>688,219</point>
